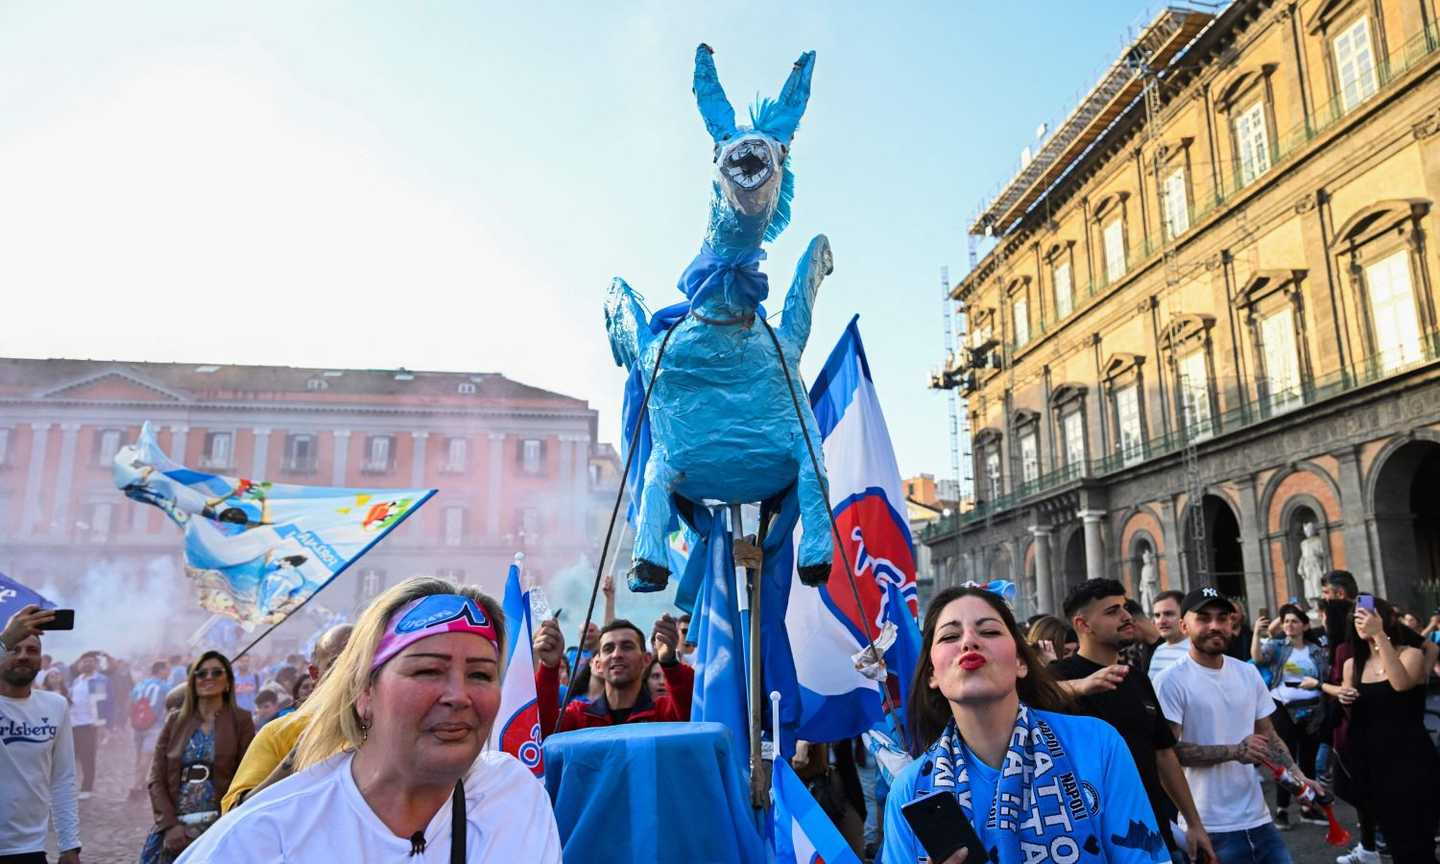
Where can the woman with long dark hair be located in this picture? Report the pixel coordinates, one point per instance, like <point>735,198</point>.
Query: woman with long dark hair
<point>196,755</point>
<point>1297,663</point>
<point>983,724</point>
<point>1389,760</point>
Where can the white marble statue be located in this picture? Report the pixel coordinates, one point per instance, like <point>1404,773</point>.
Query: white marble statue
<point>1311,568</point>
<point>1149,580</point>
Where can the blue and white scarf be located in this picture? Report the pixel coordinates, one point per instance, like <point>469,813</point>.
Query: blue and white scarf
<point>1039,812</point>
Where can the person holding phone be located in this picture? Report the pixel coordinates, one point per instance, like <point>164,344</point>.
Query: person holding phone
<point>1296,664</point>
<point>1391,762</point>
<point>1031,783</point>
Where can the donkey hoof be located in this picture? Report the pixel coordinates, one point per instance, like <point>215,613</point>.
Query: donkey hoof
<point>814,574</point>
<point>644,577</point>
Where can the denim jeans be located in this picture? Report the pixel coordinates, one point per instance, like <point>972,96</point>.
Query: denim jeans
<point>1257,846</point>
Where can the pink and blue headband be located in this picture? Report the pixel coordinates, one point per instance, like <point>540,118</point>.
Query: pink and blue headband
<point>432,615</point>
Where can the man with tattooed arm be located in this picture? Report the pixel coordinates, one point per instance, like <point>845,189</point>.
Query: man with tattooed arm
<point>1220,708</point>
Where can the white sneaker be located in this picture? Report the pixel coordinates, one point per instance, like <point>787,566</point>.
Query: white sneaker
<point>1358,855</point>
<point>83,796</point>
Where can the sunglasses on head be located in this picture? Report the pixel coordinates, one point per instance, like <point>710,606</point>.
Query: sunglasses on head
<point>209,673</point>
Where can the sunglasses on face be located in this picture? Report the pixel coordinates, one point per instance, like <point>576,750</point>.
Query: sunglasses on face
<point>209,673</point>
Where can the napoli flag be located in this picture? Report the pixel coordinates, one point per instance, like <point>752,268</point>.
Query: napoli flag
<point>801,832</point>
<point>827,626</point>
<point>255,550</point>
<point>517,724</point>
<point>14,597</point>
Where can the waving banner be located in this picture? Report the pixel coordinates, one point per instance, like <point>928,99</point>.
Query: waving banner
<point>517,724</point>
<point>257,550</point>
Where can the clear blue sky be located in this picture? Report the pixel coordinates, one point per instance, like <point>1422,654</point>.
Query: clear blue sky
<point>451,185</point>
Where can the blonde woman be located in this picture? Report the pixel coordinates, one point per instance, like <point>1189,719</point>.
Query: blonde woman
<point>390,767</point>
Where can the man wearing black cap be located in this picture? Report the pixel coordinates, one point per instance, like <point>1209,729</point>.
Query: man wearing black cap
<point>1220,709</point>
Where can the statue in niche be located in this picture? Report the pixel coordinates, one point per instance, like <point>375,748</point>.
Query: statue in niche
<point>1311,568</point>
<point>1149,579</point>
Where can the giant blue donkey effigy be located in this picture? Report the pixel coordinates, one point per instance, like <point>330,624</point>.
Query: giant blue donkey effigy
<point>726,418</point>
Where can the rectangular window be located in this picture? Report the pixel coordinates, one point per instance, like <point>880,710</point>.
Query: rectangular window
<point>1072,429</point>
<point>455,453</point>
<point>379,450</point>
<point>454,525</point>
<point>100,515</point>
<point>1029,457</point>
<point>107,447</point>
<point>4,446</point>
<point>1282,361</point>
<point>1393,318</point>
<point>532,454</point>
<point>300,453</point>
<point>1021,311</point>
<point>1252,142</point>
<point>1177,209</point>
<point>530,524</point>
<point>217,450</point>
<point>1195,395</point>
<point>371,581</point>
<point>992,471</point>
<point>1064,291</point>
<point>1129,427</point>
<point>1114,250</point>
<point>1355,64</point>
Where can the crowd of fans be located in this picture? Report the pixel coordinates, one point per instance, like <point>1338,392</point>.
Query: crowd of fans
<point>1172,719</point>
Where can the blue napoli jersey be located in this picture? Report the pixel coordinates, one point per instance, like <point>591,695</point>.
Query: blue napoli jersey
<point>1124,823</point>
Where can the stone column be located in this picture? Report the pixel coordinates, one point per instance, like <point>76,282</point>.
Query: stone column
<point>39,442</point>
<point>580,489</point>
<point>1258,590</point>
<point>70,432</point>
<point>492,484</point>
<point>178,436</point>
<point>341,457</point>
<point>1359,558</point>
<point>1044,580</point>
<point>1094,545</point>
<point>259,463</point>
<point>417,460</point>
<point>1174,542</point>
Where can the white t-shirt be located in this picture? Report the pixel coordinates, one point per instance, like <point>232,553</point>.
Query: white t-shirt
<point>1219,706</point>
<point>319,817</point>
<point>37,774</point>
<point>1165,657</point>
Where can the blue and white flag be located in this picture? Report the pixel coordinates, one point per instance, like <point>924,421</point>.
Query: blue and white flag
<point>14,597</point>
<point>825,625</point>
<point>720,638</point>
<point>801,833</point>
<point>257,550</point>
<point>517,723</point>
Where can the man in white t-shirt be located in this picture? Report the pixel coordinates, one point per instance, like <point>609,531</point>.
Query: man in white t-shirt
<point>1165,612</point>
<point>37,757</point>
<point>87,691</point>
<point>1220,710</point>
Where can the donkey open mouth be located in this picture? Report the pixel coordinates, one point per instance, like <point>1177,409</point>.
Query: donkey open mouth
<point>748,164</point>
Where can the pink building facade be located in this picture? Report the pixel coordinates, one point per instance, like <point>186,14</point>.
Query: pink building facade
<point>517,468</point>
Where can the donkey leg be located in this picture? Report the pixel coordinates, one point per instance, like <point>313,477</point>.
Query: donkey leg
<point>648,568</point>
<point>817,545</point>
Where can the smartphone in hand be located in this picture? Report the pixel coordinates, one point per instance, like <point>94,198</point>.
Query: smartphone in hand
<point>64,620</point>
<point>941,827</point>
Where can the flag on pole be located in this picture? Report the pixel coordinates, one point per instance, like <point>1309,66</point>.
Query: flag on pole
<point>517,723</point>
<point>257,550</point>
<point>720,679</point>
<point>14,597</point>
<point>801,832</point>
<point>826,627</point>
<point>904,654</point>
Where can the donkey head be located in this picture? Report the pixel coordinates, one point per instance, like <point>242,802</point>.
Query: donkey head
<point>753,184</point>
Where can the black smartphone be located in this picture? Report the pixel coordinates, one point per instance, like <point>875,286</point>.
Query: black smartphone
<point>64,620</point>
<point>941,827</point>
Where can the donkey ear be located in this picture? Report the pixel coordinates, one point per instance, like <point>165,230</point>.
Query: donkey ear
<point>714,107</point>
<point>794,96</point>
